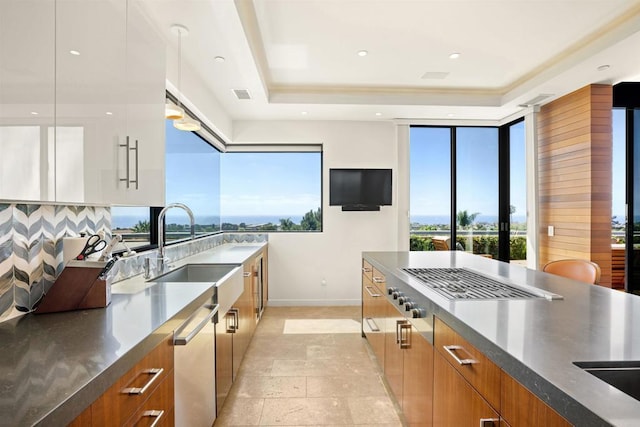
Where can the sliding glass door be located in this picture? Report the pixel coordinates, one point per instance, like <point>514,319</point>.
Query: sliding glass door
<point>468,190</point>
<point>477,190</point>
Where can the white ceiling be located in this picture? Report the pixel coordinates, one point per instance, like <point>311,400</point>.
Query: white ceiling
<point>296,56</point>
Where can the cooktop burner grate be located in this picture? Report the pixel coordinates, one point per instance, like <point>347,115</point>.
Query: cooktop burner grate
<point>460,283</point>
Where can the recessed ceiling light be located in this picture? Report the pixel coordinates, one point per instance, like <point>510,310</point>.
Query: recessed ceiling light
<point>604,67</point>
<point>362,53</point>
<point>450,115</point>
<point>454,55</point>
<point>34,113</point>
<point>74,52</point>
<point>109,113</point>
<point>304,113</point>
<point>219,59</point>
<point>378,114</point>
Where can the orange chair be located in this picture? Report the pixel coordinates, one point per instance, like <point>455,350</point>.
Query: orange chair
<point>578,269</point>
<point>441,243</point>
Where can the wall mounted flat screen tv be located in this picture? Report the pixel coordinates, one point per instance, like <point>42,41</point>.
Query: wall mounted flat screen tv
<point>360,189</point>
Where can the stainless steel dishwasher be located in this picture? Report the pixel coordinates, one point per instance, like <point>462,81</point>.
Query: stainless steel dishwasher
<point>195,369</point>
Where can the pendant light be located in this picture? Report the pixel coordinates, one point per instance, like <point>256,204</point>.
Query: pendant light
<point>184,122</point>
<point>172,111</point>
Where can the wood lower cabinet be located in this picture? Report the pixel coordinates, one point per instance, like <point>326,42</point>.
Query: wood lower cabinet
<point>475,367</point>
<point>417,380</point>
<point>141,396</point>
<point>393,351</point>
<point>373,317</point>
<point>455,402</point>
<point>522,408</point>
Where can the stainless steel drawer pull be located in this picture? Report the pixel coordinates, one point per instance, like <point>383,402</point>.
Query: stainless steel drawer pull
<point>246,274</point>
<point>489,422</point>
<point>179,339</point>
<point>155,374</point>
<point>366,270</point>
<point>154,414</point>
<point>451,349</point>
<point>374,295</point>
<point>374,327</point>
<point>405,335</point>
<point>378,280</point>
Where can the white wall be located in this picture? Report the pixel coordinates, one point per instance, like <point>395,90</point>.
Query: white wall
<point>299,262</point>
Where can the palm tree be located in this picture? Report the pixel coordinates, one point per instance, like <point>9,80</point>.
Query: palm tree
<point>465,219</point>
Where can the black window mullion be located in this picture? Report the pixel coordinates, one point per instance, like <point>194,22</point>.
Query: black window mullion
<point>454,192</point>
<point>154,212</point>
<point>504,192</point>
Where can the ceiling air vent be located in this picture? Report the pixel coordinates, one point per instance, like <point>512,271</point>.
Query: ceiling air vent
<point>242,93</point>
<point>435,75</point>
<point>536,100</point>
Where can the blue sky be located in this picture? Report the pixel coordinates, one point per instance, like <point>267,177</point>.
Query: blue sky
<point>279,184</point>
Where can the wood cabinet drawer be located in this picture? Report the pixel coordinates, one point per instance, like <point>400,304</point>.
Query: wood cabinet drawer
<point>367,270</point>
<point>379,280</point>
<point>520,407</point>
<point>475,367</point>
<point>131,390</point>
<point>158,408</point>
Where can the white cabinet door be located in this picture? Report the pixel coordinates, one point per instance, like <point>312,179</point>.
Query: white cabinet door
<point>90,97</point>
<point>145,113</point>
<point>110,105</point>
<point>27,97</point>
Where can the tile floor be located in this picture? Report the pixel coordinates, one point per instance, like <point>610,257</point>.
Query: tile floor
<point>318,379</point>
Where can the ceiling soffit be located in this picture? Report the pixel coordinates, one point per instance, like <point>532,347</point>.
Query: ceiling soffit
<point>622,26</point>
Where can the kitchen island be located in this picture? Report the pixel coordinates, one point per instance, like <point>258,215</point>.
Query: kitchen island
<point>534,341</point>
<point>55,365</point>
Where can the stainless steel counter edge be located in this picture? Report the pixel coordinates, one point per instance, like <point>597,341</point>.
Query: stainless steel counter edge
<point>540,386</point>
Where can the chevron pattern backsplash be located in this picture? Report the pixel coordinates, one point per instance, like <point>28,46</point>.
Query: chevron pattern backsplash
<point>31,246</point>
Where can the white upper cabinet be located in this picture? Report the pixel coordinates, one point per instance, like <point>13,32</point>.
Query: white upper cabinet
<point>110,77</point>
<point>79,80</point>
<point>27,98</point>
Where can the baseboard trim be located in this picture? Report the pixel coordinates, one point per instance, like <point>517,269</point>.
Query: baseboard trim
<point>313,302</point>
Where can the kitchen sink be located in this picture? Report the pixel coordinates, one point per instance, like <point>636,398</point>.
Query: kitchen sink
<point>197,273</point>
<point>625,376</point>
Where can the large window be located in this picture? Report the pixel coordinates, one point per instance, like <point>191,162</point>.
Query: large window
<point>467,190</point>
<point>192,177</point>
<point>271,191</point>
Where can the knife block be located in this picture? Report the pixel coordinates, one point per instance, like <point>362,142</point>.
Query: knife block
<point>77,288</point>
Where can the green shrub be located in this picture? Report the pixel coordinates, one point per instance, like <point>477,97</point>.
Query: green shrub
<point>481,245</point>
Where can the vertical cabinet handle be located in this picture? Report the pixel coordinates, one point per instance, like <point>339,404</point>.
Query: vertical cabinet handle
<point>126,145</point>
<point>157,415</point>
<point>489,422</point>
<point>232,320</point>
<point>405,335</point>
<point>137,163</point>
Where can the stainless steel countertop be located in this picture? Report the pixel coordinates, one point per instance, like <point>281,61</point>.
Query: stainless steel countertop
<point>537,341</point>
<point>52,366</point>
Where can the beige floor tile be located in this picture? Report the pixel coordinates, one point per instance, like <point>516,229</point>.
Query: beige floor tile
<point>240,412</point>
<point>271,387</point>
<point>305,412</point>
<point>335,351</point>
<point>372,410</point>
<point>346,386</point>
<point>255,366</point>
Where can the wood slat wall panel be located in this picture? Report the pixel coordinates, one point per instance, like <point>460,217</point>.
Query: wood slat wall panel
<point>574,158</point>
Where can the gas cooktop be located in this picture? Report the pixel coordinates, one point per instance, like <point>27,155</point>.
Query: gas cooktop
<point>464,284</point>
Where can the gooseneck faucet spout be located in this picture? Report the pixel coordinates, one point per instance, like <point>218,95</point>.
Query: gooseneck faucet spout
<point>161,260</point>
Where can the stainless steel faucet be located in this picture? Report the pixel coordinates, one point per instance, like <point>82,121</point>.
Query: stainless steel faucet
<point>160,263</point>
